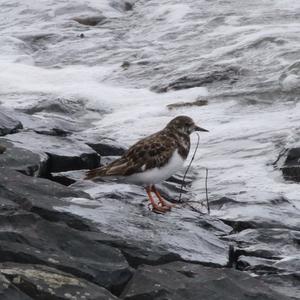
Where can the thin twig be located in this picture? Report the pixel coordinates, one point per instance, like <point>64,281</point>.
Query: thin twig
<point>206,192</point>
<point>193,208</point>
<point>187,169</point>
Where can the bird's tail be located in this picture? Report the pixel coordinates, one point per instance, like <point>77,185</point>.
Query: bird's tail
<point>98,172</point>
<point>113,169</point>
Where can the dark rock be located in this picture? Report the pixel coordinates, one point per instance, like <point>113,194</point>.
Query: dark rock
<point>26,238</point>
<point>128,6</point>
<point>179,281</point>
<point>62,180</point>
<point>2,149</point>
<point>54,131</point>
<point>187,82</point>
<point>68,178</point>
<point>108,148</point>
<point>291,166</point>
<point>90,21</point>
<point>9,292</point>
<point>63,162</point>
<point>64,153</point>
<point>41,282</point>
<point>8,124</point>
<point>23,160</point>
<point>42,196</point>
<point>125,65</point>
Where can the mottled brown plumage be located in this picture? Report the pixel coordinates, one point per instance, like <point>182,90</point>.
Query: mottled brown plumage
<point>152,153</point>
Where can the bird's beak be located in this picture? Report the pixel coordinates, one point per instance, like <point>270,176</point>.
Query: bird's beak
<point>197,128</point>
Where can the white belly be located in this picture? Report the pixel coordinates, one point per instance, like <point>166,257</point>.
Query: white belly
<point>156,175</point>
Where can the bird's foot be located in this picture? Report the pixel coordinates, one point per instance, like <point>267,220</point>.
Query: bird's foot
<point>159,209</point>
<point>166,205</point>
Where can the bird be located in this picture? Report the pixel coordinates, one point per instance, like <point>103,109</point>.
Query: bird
<point>152,159</point>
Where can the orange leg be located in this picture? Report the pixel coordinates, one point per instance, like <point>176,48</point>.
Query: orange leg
<point>155,207</point>
<point>161,200</point>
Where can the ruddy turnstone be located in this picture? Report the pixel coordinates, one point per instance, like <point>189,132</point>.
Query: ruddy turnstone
<point>153,159</point>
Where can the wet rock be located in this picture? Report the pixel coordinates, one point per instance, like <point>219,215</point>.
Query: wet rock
<point>62,178</point>
<point>10,292</point>
<point>62,106</point>
<point>198,102</point>
<point>42,196</point>
<point>270,253</point>
<point>258,214</point>
<point>108,148</point>
<point>39,41</point>
<point>284,283</point>
<point>290,264</point>
<point>123,212</point>
<point>90,21</point>
<point>223,202</point>
<point>54,132</point>
<point>64,153</point>
<point>197,80</point>
<point>122,5</point>
<point>7,205</point>
<point>291,166</point>
<point>41,282</point>
<point>256,264</point>
<point>269,243</point>
<point>50,123</point>
<point>69,177</point>
<point>179,281</point>
<point>8,124</point>
<point>136,253</point>
<point>28,239</point>
<point>22,160</point>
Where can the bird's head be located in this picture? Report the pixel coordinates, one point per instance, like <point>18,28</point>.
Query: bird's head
<point>184,124</point>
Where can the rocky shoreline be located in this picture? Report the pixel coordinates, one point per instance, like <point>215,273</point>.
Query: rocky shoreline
<point>60,242</point>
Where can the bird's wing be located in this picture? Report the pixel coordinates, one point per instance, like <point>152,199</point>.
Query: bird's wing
<point>148,153</point>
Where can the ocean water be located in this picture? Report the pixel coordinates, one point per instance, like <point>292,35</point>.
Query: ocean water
<point>252,115</point>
